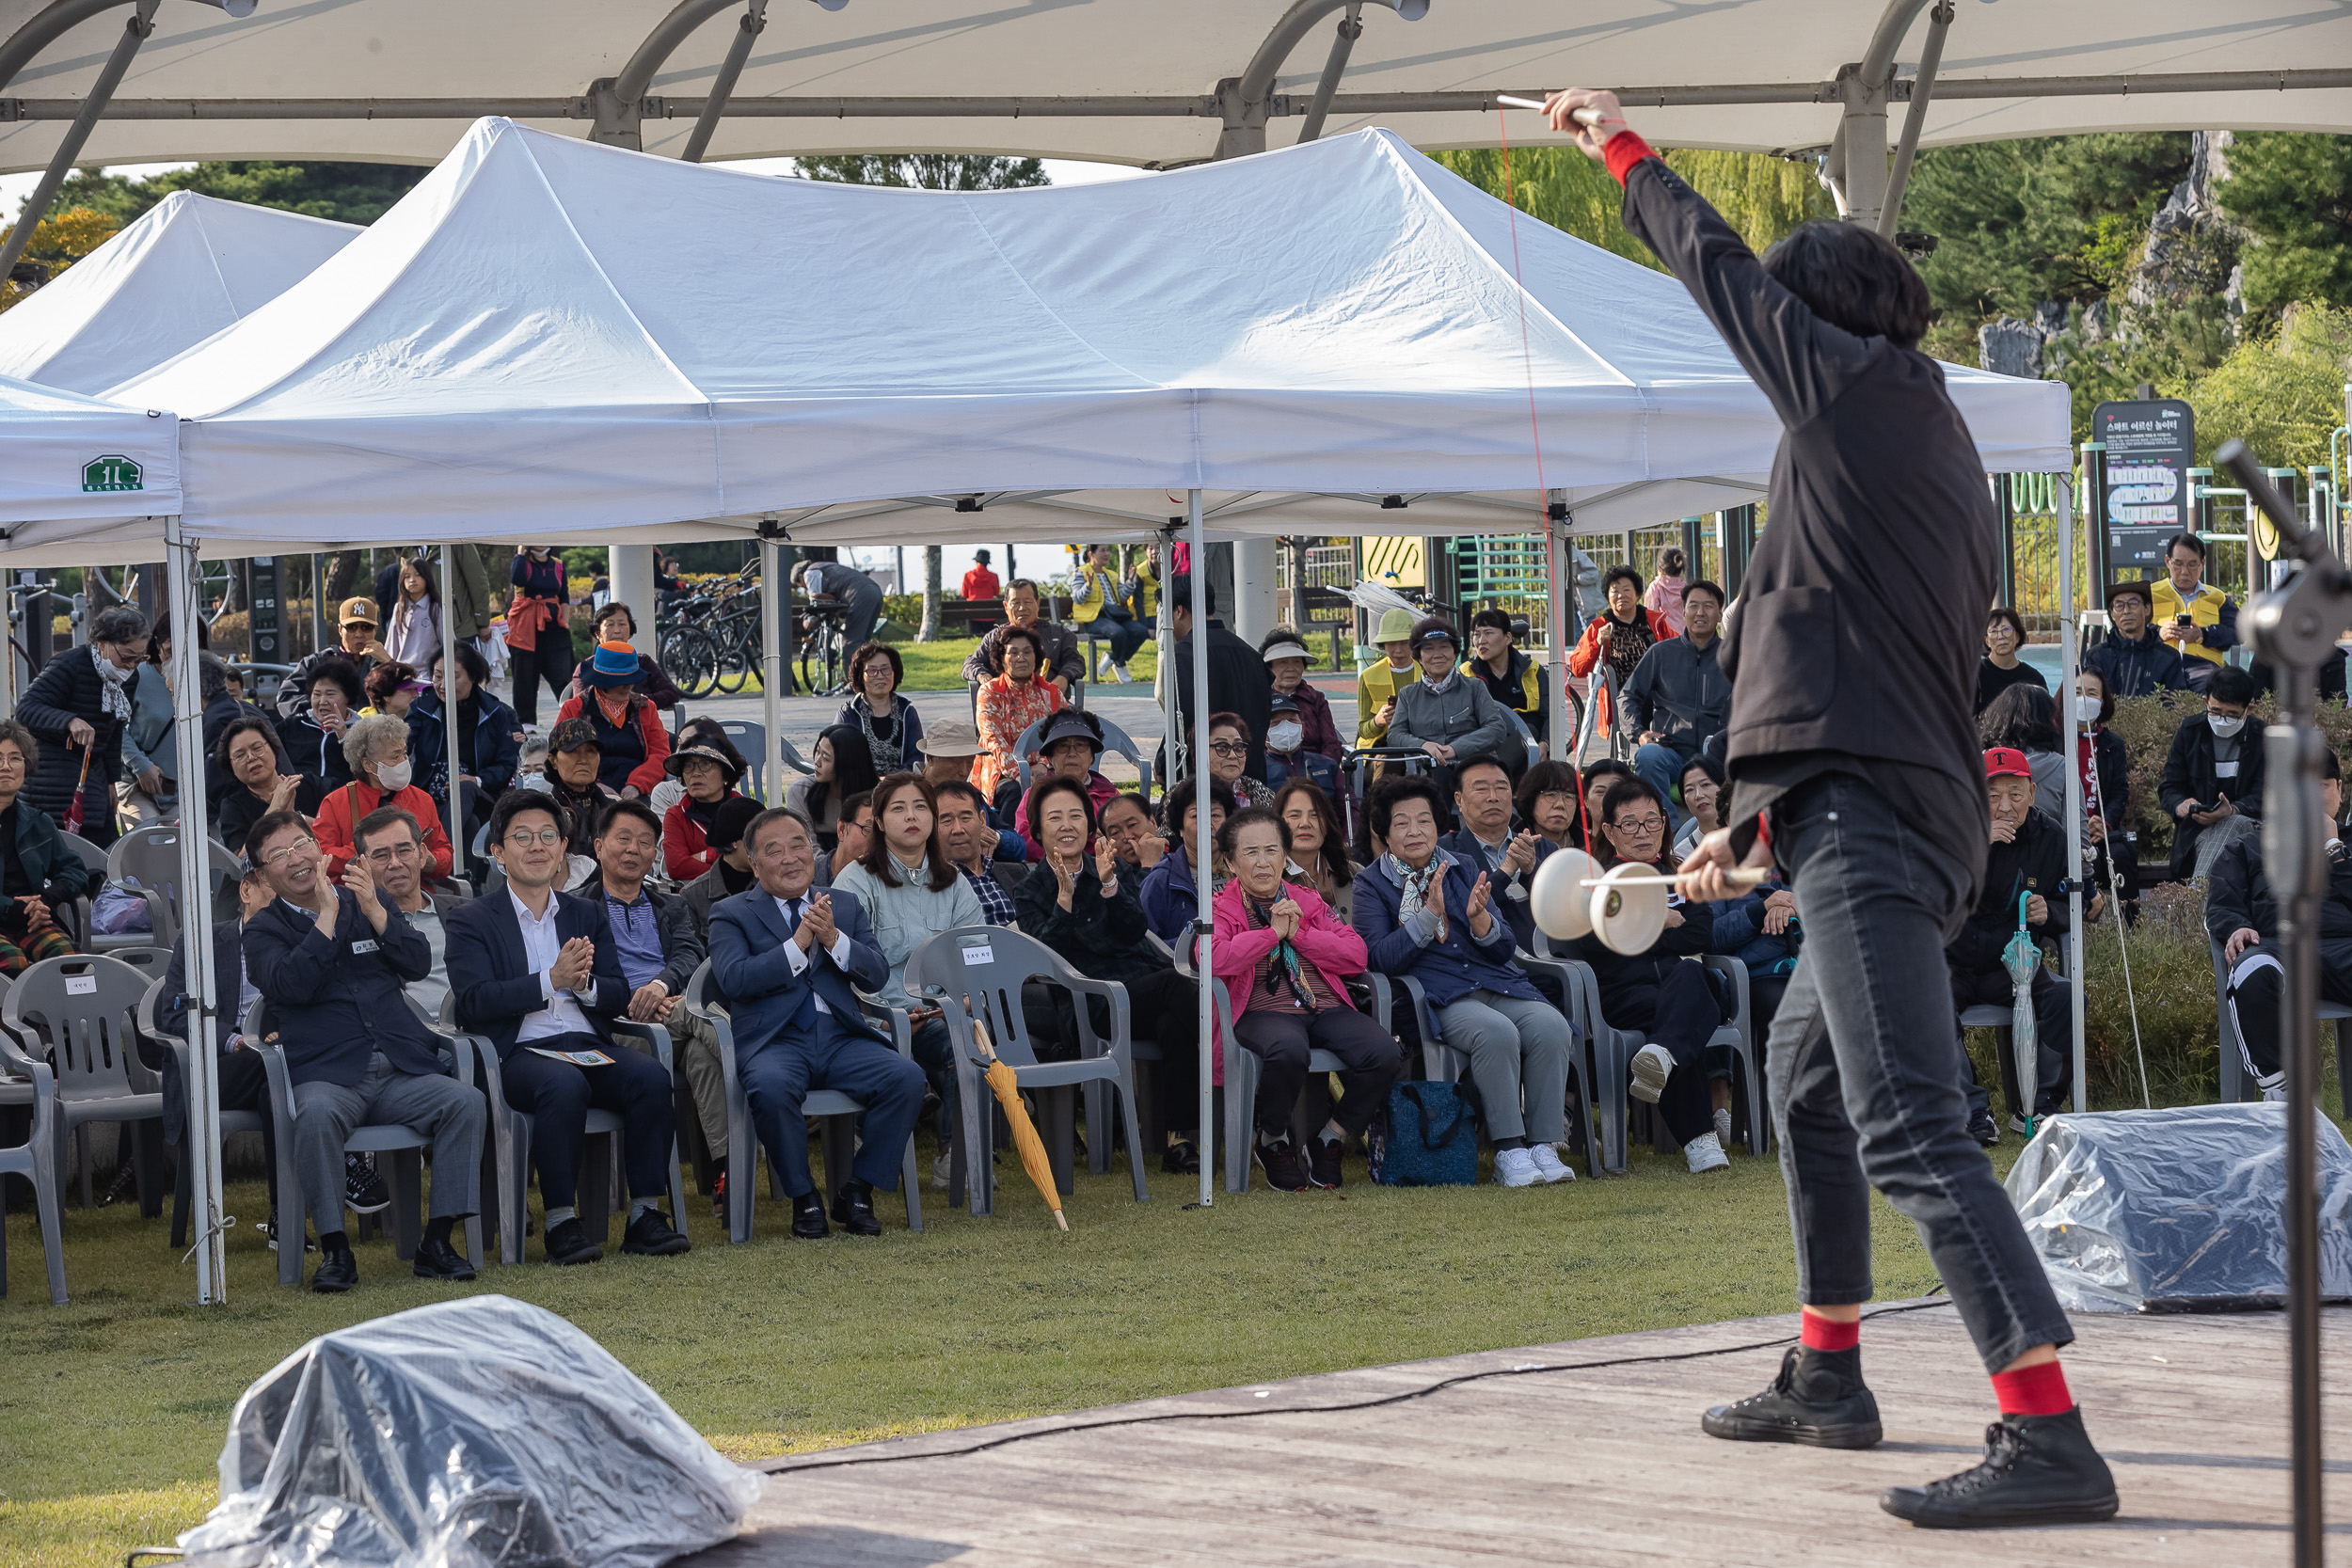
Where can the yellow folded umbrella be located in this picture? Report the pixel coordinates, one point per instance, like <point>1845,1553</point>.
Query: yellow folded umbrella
<point>1024,1138</point>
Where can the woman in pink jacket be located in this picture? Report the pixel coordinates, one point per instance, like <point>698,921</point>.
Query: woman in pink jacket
<point>1284,958</point>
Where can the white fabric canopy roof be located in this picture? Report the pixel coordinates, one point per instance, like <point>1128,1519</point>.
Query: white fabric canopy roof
<point>187,267</point>
<point>87,463</point>
<point>551,338</point>
<point>408,76</point>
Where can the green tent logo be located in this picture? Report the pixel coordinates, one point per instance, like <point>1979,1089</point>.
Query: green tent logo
<point>113,471</point>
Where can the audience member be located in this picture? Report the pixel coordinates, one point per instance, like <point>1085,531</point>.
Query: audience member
<point>971,844</point>
<point>617,623</point>
<point>1669,1000</point>
<point>238,1073</point>
<point>949,749</point>
<point>1169,892</point>
<point>1486,844</point>
<point>911,891</point>
<point>1617,638</point>
<point>378,749</point>
<point>2023,883</point>
<point>1302,739</point>
<point>858,594</point>
<point>391,689</point>
<point>1510,674</point>
<point>1701,784</point>
<point>1094,601</point>
<point>40,874</point>
<point>538,628</point>
<point>1423,913</point>
<point>856,831</point>
<point>1058,660</point>
<point>490,737</point>
<point>412,627</point>
<point>1229,753</point>
<point>731,871</point>
<point>2242,914</point>
<point>1763,932</point>
<point>1143,588</point>
<point>2133,660</point>
<point>980,583</point>
<point>538,972</point>
<point>330,961</point>
<point>1126,821</point>
<point>784,956</point>
<point>2000,667</point>
<point>223,704</point>
<point>1318,845</point>
<point>1600,777</point>
<point>79,710</point>
<point>2025,719</point>
<point>1679,697</point>
<point>1377,686</point>
<point>1009,703</point>
<point>356,648</point>
<point>1087,907</point>
<point>2200,621</point>
<point>1238,681</point>
<point>1667,590</point>
<point>843,767</point>
<point>391,840</point>
<point>702,730</point>
<point>2110,815</point>
<point>892,727</point>
<point>1285,958</point>
<point>2214,769</point>
<point>1071,744</point>
<point>262,780</point>
<point>148,790</point>
<point>710,775</point>
<point>632,741</point>
<point>314,736</point>
<point>574,762</point>
<point>1547,801</point>
<point>1451,719</point>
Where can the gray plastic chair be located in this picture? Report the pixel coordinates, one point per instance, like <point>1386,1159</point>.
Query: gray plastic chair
<point>37,1089</point>
<point>838,1111</point>
<point>162,930</point>
<point>2236,1080</point>
<point>149,857</point>
<point>81,1013</point>
<point>1612,1050</point>
<point>1243,1070</point>
<point>977,971</point>
<point>1116,742</point>
<point>230,1121</point>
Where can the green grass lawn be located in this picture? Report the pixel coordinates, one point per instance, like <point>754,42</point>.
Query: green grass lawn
<point>939,666</point>
<point>113,1409</point>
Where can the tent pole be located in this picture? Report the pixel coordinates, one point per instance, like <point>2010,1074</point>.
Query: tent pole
<point>747,31</point>
<point>460,845</point>
<point>1559,736</point>
<point>1202,965</point>
<point>2069,625</point>
<point>1171,768</point>
<point>771,658</point>
<point>136,29</point>
<point>187,724</point>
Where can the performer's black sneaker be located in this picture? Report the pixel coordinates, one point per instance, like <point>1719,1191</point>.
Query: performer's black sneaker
<point>2036,1470</point>
<point>853,1208</point>
<point>808,1217</point>
<point>1817,1399</point>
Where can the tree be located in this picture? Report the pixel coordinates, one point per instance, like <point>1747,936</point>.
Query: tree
<point>58,242</point>
<point>2279,392</point>
<point>932,570</point>
<point>2294,194</point>
<point>347,193</point>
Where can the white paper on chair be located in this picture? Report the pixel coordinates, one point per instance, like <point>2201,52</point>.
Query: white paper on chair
<point>577,1058</point>
<point>979,955</point>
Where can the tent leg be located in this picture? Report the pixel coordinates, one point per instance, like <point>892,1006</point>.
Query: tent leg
<point>202,1134</point>
<point>772,590</point>
<point>1559,724</point>
<point>1203,965</point>
<point>452,752</point>
<point>2069,625</point>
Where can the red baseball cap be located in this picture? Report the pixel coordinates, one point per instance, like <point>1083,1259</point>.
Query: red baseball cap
<point>2007,762</point>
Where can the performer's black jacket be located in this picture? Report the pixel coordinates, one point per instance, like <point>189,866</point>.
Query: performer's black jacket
<point>1854,645</point>
<point>2034,861</point>
<point>2237,895</point>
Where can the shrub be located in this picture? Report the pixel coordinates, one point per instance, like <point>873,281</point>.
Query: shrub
<point>2147,726</point>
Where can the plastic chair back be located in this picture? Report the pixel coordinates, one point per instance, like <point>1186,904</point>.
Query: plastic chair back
<point>1116,742</point>
<point>981,970</point>
<point>751,739</point>
<point>83,1009</point>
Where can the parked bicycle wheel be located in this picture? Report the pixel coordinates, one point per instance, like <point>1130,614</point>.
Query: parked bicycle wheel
<point>691,658</point>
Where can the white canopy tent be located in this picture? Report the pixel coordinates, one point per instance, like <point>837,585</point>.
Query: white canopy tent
<point>185,268</point>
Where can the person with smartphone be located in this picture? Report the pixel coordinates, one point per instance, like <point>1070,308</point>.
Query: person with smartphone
<point>2200,621</point>
<point>2214,771</point>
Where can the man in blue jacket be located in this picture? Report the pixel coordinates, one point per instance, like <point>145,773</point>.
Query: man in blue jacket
<point>1423,912</point>
<point>536,970</point>
<point>330,962</point>
<point>786,956</point>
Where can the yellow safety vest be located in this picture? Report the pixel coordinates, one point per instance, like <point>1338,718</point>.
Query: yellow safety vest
<point>2203,611</point>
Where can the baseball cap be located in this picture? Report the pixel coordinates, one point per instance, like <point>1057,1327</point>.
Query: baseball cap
<point>2007,762</point>
<point>571,734</point>
<point>358,609</point>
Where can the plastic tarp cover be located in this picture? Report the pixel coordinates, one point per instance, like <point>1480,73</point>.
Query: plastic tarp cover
<point>2176,1210</point>
<point>460,1435</point>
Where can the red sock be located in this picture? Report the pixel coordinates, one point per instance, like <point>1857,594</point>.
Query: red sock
<point>2033,1391</point>
<point>1819,1333</point>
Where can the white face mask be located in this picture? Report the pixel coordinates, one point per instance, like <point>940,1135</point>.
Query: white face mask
<point>2225,727</point>
<point>1285,735</point>
<point>395,776</point>
<point>2086,708</point>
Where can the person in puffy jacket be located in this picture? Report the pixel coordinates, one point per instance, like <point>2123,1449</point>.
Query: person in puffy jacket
<point>2025,879</point>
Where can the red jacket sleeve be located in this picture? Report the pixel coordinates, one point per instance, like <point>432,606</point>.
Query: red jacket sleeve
<point>685,849</point>
<point>416,803</point>
<point>653,769</point>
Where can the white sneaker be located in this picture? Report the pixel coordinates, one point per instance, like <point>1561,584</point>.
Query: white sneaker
<point>1548,1163</point>
<point>1704,1154</point>
<point>1723,1127</point>
<point>1651,1066</point>
<point>1103,668</point>
<point>942,1167</point>
<point>1516,1167</point>
<point>1124,678</point>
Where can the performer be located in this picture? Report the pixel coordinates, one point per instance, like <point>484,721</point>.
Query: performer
<point>1855,763</point>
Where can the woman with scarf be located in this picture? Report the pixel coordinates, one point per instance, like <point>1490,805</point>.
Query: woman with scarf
<point>633,742</point>
<point>893,730</point>
<point>538,628</point>
<point>1009,703</point>
<point>1618,637</point>
<point>78,709</point>
<point>1285,958</point>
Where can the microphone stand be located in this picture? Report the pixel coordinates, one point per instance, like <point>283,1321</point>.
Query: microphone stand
<point>2293,628</point>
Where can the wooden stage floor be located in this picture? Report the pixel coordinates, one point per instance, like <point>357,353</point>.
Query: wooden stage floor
<point>1602,1465</point>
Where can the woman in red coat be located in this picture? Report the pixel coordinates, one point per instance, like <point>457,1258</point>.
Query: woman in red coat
<point>1620,634</point>
<point>377,748</point>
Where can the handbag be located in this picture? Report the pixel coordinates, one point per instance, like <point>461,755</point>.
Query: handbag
<point>1430,1138</point>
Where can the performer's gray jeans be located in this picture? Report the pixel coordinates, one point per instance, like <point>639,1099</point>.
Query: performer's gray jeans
<point>1864,1071</point>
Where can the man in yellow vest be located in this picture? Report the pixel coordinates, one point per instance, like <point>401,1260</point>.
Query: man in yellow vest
<point>1377,688</point>
<point>2201,622</point>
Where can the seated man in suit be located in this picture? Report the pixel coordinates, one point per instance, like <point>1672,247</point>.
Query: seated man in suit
<point>536,971</point>
<point>392,843</point>
<point>785,958</point>
<point>243,1083</point>
<point>1483,842</point>
<point>330,962</point>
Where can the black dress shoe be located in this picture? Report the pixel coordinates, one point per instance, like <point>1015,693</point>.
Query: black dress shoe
<point>2036,1470</point>
<point>440,1260</point>
<point>1817,1399</point>
<point>337,1271</point>
<point>808,1217</point>
<point>650,1235</point>
<point>568,1243</point>
<point>853,1206</point>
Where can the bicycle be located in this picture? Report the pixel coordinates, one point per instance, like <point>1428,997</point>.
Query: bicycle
<point>718,645</point>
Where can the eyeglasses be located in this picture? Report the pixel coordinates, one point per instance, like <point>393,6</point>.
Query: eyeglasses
<point>1556,798</point>
<point>1639,824</point>
<point>522,838</point>
<point>282,856</point>
<point>1228,748</point>
<point>388,852</point>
